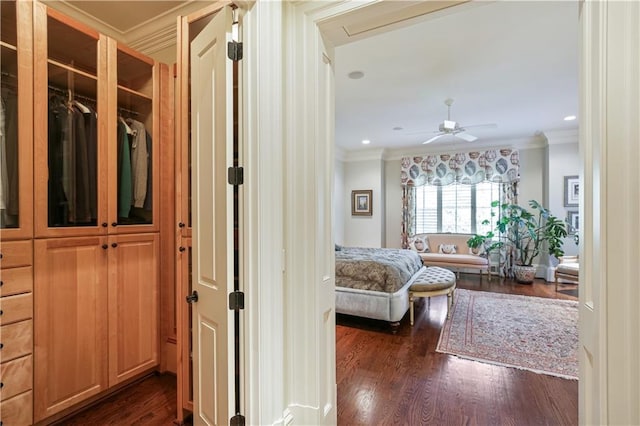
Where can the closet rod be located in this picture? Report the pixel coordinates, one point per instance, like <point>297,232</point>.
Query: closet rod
<point>65,92</point>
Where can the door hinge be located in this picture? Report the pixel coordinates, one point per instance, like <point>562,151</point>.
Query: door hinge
<point>236,300</point>
<point>236,175</point>
<point>234,50</point>
<point>237,420</point>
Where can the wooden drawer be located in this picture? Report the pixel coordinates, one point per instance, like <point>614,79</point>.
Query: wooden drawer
<point>16,340</point>
<point>16,253</point>
<point>16,308</point>
<point>17,411</point>
<point>16,376</point>
<point>16,281</point>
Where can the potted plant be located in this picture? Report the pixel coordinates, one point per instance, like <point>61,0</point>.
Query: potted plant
<point>527,232</point>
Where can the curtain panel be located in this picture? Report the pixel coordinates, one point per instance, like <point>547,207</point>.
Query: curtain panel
<point>499,165</point>
<point>496,165</point>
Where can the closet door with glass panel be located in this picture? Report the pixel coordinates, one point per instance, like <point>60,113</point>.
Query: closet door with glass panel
<point>134,140</point>
<point>16,120</point>
<point>70,82</point>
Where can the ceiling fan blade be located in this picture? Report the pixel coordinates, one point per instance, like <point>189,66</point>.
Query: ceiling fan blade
<point>487,125</point>
<point>422,132</point>
<point>466,136</point>
<point>433,139</point>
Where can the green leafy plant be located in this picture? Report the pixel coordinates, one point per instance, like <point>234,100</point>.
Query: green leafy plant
<point>527,231</point>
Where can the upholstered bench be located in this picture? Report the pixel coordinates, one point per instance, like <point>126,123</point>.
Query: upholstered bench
<point>434,281</point>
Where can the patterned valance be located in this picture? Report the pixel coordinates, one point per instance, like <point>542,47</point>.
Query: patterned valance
<point>497,165</point>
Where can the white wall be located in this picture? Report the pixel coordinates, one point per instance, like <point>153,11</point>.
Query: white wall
<point>339,206</point>
<point>563,161</point>
<point>394,203</point>
<point>364,231</point>
<point>532,171</point>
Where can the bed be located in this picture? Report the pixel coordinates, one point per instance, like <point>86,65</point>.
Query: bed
<point>374,282</point>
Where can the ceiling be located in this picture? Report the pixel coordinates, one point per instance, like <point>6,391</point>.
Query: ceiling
<point>514,64</point>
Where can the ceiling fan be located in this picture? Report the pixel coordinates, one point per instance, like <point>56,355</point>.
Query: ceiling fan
<point>450,127</point>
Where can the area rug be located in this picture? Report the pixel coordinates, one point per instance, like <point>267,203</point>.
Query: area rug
<point>530,333</point>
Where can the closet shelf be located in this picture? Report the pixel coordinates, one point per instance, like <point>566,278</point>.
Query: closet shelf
<point>72,69</point>
<point>8,46</point>
<point>134,92</point>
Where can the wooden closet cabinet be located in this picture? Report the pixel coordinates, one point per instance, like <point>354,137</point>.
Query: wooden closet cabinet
<point>97,316</point>
<point>103,128</point>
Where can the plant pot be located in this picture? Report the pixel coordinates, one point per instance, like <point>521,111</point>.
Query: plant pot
<point>524,274</point>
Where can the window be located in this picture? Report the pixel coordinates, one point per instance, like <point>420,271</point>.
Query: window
<point>455,208</point>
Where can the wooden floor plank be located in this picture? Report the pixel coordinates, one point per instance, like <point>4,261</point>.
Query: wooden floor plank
<point>387,379</point>
<point>415,385</point>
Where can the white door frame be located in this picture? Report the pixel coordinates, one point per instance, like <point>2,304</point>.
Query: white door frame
<point>285,383</point>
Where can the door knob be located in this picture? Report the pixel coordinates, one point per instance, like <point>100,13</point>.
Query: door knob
<point>181,249</point>
<point>193,297</point>
<point>181,225</point>
<point>114,245</point>
<point>104,246</point>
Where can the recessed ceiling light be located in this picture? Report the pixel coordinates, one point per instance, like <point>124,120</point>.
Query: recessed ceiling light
<point>355,75</point>
<point>570,118</point>
<point>366,142</point>
<point>397,128</point>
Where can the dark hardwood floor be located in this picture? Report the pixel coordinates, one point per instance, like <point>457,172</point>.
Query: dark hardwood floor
<point>149,402</point>
<point>387,379</point>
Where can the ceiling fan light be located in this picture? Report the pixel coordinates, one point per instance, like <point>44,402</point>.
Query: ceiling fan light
<point>449,125</point>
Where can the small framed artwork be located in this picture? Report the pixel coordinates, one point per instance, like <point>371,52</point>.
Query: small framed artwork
<point>571,191</point>
<point>361,202</point>
<point>573,219</point>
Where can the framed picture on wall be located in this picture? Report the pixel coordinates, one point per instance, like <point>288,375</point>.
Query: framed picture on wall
<point>571,191</point>
<point>573,219</point>
<point>361,202</point>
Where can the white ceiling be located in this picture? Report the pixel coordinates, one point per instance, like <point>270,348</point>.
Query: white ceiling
<point>511,63</point>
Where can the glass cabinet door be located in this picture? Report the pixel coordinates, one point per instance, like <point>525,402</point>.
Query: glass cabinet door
<point>136,140</point>
<point>69,84</point>
<point>16,121</point>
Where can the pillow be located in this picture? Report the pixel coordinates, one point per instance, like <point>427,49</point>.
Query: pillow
<point>419,243</point>
<point>447,249</point>
<point>478,251</point>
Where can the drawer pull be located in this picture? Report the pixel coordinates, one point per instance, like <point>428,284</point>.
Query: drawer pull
<point>1,312</point>
<point>181,249</point>
<point>1,345</point>
<point>114,245</point>
<point>1,283</point>
<point>114,224</point>
<point>104,246</point>
<point>181,225</point>
<point>1,385</point>
<point>105,224</point>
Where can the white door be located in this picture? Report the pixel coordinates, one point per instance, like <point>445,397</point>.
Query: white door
<point>212,150</point>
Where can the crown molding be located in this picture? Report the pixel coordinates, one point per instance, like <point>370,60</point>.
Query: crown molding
<point>154,42</point>
<point>534,142</point>
<point>150,36</point>
<point>558,137</point>
<point>364,155</point>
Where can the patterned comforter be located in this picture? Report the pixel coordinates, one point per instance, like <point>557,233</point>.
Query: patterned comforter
<point>378,269</point>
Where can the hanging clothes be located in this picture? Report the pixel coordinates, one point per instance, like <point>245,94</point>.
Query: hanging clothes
<point>139,162</point>
<point>148,200</point>
<point>4,178</point>
<point>59,133</point>
<point>10,181</point>
<point>81,212</point>
<point>125,192</point>
<point>91,134</point>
